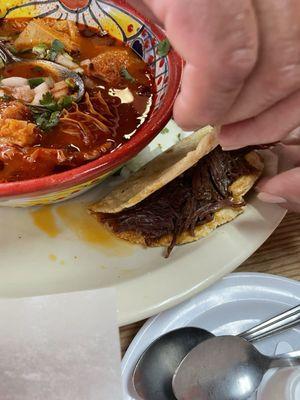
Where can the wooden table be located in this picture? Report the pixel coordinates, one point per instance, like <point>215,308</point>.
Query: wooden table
<point>280,255</point>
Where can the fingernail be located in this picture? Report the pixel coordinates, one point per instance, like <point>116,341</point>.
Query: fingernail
<point>228,148</point>
<point>271,198</point>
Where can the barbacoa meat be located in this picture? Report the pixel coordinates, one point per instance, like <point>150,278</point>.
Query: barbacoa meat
<point>187,202</point>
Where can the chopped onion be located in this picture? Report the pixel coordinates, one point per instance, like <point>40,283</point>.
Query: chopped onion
<point>68,56</point>
<point>79,70</point>
<point>14,81</point>
<point>24,93</point>
<point>86,62</point>
<point>66,62</point>
<point>39,91</point>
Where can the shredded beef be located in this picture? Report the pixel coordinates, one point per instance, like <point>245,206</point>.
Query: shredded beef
<point>187,202</point>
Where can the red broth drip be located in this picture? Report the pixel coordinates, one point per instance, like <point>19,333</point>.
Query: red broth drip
<point>109,115</point>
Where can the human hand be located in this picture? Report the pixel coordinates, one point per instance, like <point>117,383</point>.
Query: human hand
<point>283,189</point>
<point>242,72</point>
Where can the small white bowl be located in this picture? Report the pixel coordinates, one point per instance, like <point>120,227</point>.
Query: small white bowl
<point>281,384</point>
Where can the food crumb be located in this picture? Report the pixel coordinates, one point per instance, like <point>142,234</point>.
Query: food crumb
<point>52,257</point>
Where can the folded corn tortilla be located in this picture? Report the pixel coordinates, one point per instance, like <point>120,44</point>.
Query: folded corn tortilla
<point>164,169</point>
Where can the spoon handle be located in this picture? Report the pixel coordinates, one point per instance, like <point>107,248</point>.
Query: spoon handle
<point>6,55</point>
<point>286,360</point>
<point>277,324</point>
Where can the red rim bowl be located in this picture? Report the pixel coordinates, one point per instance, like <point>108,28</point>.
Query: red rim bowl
<point>110,162</point>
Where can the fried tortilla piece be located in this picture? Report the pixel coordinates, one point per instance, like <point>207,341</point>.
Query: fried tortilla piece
<point>12,26</point>
<point>14,110</point>
<point>17,132</point>
<point>40,31</point>
<point>68,28</point>
<point>108,64</point>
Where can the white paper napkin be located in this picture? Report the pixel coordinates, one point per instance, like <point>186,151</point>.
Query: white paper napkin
<point>60,347</point>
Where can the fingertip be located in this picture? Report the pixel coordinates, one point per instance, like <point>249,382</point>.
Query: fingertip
<point>185,117</point>
<point>186,126</point>
<point>271,198</point>
<point>225,139</point>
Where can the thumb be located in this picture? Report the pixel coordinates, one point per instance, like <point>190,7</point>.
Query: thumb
<point>283,189</point>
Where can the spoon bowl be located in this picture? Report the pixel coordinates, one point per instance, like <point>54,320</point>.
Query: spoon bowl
<point>225,368</point>
<point>58,70</point>
<point>153,374</point>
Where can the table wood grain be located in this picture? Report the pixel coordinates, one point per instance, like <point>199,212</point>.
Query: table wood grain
<point>279,255</point>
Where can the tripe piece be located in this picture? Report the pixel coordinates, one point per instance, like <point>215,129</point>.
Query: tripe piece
<point>38,31</point>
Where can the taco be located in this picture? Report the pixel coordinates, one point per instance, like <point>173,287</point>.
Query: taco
<point>183,194</point>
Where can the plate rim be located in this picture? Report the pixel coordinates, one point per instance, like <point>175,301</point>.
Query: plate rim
<point>128,317</point>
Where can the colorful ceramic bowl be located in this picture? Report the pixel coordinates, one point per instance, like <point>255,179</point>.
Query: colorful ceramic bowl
<point>123,22</point>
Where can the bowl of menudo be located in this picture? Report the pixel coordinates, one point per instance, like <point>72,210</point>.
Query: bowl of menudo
<point>52,145</point>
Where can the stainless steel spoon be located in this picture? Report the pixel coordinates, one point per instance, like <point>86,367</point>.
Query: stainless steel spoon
<point>225,368</point>
<point>61,72</point>
<point>153,374</point>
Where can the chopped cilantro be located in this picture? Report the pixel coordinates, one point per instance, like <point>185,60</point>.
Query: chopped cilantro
<point>125,74</point>
<point>71,83</point>
<point>164,48</point>
<point>65,102</point>
<point>48,116</point>
<point>40,50</point>
<point>51,55</point>
<point>47,120</point>
<point>49,102</point>
<point>165,130</point>
<point>58,46</point>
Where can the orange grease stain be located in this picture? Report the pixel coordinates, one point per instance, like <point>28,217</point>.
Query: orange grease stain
<point>75,217</point>
<point>44,219</point>
<point>86,227</point>
<point>52,257</point>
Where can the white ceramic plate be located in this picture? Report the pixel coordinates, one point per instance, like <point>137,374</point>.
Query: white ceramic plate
<point>62,248</point>
<point>231,306</point>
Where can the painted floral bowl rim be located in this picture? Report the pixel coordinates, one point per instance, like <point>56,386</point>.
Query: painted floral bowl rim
<point>108,163</point>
